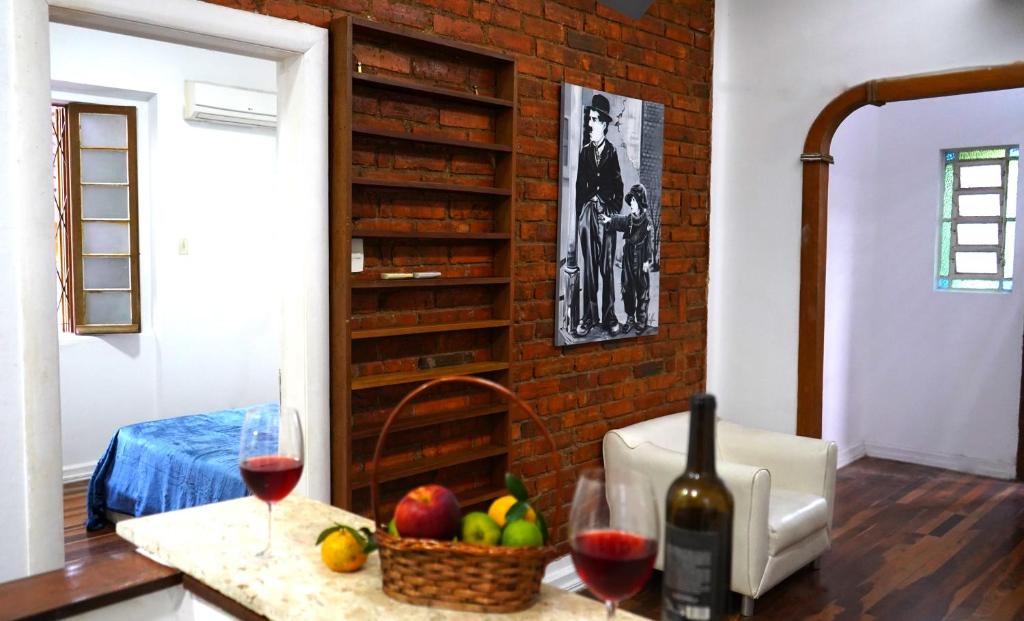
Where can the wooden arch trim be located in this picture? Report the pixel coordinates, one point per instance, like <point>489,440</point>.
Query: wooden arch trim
<point>816,159</point>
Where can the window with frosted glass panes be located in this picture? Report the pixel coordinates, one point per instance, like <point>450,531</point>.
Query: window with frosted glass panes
<point>103,216</point>
<point>978,219</point>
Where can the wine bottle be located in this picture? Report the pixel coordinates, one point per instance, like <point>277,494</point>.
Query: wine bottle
<point>698,528</point>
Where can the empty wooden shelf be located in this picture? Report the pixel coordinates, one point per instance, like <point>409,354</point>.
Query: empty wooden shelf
<point>403,159</point>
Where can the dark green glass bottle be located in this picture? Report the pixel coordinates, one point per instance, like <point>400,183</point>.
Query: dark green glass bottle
<point>698,528</point>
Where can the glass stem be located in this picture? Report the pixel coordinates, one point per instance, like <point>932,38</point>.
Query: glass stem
<point>270,521</point>
<point>609,606</point>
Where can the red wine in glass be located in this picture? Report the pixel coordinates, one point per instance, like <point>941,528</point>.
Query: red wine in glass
<point>271,477</point>
<point>270,456</point>
<point>613,531</point>
<point>612,563</point>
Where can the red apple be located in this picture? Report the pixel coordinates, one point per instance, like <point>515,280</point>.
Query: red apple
<point>428,512</point>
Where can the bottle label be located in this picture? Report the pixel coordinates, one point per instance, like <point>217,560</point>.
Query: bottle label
<point>692,559</point>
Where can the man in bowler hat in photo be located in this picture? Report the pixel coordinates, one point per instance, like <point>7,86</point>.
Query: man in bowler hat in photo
<point>598,193</point>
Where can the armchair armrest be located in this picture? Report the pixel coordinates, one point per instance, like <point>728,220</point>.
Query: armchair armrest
<point>796,463</point>
<point>749,485</point>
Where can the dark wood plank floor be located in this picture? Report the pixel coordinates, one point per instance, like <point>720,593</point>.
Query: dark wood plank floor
<point>80,545</point>
<point>910,543</point>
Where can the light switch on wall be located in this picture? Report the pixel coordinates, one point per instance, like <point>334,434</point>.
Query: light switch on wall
<point>183,246</point>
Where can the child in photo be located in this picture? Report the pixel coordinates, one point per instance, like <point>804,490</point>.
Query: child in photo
<point>635,225</point>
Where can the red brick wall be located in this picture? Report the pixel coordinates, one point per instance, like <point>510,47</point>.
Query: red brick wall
<point>581,392</point>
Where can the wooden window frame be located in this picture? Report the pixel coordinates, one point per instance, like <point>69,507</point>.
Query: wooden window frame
<point>75,223</point>
<point>62,213</point>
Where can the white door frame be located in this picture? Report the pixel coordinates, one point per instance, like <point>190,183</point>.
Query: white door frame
<point>32,397</point>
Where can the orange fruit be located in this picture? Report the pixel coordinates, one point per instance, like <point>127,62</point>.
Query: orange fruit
<point>501,506</point>
<point>341,551</point>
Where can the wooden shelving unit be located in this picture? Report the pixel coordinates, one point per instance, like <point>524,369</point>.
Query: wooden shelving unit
<point>389,335</point>
<point>427,465</point>
<point>365,130</point>
<point>371,430</point>
<point>454,326</point>
<point>430,282</point>
<point>430,235</point>
<point>416,377</point>
<point>408,86</point>
<point>401,184</point>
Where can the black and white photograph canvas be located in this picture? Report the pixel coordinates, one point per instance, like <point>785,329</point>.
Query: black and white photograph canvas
<point>609,216</point>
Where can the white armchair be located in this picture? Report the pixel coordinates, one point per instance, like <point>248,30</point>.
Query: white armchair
<point>783,487</point>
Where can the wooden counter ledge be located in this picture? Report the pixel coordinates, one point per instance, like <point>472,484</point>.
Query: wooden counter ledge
<point>84,585</point>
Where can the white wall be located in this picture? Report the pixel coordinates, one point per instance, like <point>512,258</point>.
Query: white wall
<point>776,66</point>
<point>851,233</point>
<point>925,376</point>
<point>211,318</point>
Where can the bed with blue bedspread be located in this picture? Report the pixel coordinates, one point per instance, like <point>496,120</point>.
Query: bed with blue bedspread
<point>169,464</point>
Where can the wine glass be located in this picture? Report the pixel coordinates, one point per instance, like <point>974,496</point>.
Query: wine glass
<point>270,456</point>
<point>613,533</point>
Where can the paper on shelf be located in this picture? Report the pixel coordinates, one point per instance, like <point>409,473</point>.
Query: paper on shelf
<point>357,255</point>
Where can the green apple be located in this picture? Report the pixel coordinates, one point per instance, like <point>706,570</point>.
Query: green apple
<point>522,534</point>
<point>392,529</point>
<point>478,528</point>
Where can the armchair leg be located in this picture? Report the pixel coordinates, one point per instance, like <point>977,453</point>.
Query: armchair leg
<point>747,606</point>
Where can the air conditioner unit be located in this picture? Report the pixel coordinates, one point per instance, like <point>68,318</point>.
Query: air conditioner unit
<point>230,105</point>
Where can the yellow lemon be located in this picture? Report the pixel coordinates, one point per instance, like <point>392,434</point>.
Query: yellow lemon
<point>501,506</point>
<point>341,552</point>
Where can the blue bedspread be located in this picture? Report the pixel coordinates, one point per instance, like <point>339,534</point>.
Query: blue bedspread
<point>169,464</point>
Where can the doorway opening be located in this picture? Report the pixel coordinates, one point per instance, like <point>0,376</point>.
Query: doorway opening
<point>816,160</point>
<point>922,354</point>
<point>300,52</point>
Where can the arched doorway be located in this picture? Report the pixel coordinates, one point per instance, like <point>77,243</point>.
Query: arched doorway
<point>816,159</point>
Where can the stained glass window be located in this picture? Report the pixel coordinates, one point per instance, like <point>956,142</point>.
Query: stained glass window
<point>974,283</point>
<point>977,223</point>
<point>988,176</point>
<point>981,154</point>
<point>947,194</point>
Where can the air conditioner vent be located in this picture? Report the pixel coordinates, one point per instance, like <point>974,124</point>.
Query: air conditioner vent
<point>230,105</point>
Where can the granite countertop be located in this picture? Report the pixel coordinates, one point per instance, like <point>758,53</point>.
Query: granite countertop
<point>216,544</point>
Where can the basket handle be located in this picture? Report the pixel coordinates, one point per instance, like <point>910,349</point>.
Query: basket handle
<point>477,381</point>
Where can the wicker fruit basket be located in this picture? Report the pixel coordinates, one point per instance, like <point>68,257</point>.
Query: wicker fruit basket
<point>455,575</point>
